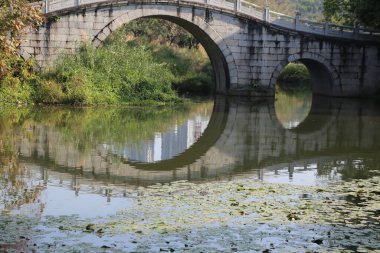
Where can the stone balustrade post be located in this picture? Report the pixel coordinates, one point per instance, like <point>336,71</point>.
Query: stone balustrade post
<point>237,5</point>
<point>46,6</point>
<point>297,20</point>
<point>78,2</point>
<point>326,28</point>
<point>266,13</point>
<point>356,30</point>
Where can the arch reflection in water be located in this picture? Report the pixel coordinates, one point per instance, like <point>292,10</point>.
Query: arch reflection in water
<point>293,107</point>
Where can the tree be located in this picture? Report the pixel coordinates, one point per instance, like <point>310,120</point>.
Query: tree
<point>161,31</point>
<point>309,9</point>
<point>349,12</point>
<point>15,17</point>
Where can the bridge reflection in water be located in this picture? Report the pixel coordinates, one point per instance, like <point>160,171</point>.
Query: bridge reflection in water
<point>339,139</point>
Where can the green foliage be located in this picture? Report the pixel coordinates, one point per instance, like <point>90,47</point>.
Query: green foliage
<point>14,86</point>
<point>12,91</point>
<point>311,9</point>
<point>176,48</point>
<point>15,17</point>
<point>308,9</point>
<point>48,92</point>
<point>15,72</point>
<point>195,83</point>
<point>294,74</point>
<point>115,73</point>
<point>353,11</point>
<point>162,31</point>
<point>123,70</point>
<point>191,68</point>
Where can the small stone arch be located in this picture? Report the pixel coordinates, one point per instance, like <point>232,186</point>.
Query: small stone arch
<point>220,56</point>
<point>325,77</point>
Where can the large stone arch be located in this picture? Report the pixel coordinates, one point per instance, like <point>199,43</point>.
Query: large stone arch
<point>219,53</point>
<point>325,77</point>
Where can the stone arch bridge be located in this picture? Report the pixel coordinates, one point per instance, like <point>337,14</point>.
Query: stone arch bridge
<point>248,45</point>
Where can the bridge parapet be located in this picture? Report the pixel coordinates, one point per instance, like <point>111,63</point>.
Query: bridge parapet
<point>249,9</point>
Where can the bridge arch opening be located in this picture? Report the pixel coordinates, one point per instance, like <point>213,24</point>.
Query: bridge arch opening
<point>323,75</point>
<point>321,78</point>
<point>297,80</point>
<point>293,97</point>
<point>202,34</point>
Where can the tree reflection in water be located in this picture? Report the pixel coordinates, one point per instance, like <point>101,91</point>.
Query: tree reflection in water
<point>292,106</point>
<point>18,186</point>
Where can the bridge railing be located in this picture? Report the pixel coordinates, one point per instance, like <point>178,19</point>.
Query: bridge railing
<point>253,10</point>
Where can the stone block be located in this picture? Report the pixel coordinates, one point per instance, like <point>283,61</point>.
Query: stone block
<point>244,82</point>
<point>245,57</point>
<point>277,51</point>
<point>232,43</point>
<point>244,68</point>
<point>240,36</point>
<point>235,49</point>
<point>233,73</point>
<point>226,51</point>
<point>264,76</point>
<point>99,25</point>
<point>60,24</point>
<point>347,82</point>
<point>244,43</point>
<point>243,74</point>
<point>101,36</point>
<point>222,46</point>
<point>255,75</point>
<point>229,58</point>
<point>349,75</point>
<point>264,50</point>
<point>270,57</point>
<point>86,25</point>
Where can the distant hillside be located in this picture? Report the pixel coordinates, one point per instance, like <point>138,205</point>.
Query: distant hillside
<point>309,9</point>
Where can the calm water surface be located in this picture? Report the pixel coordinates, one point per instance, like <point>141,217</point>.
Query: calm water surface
<point>87,158</point>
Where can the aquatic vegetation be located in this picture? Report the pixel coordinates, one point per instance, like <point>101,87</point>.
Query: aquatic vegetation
<point>242,214</point>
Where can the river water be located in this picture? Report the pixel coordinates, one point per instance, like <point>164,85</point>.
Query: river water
<point>86,161</point>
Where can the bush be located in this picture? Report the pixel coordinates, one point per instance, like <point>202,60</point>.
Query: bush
<point>13,91</point>
<point>112,74</point>
<point>295,73</point>
<point>77,91</point>
<point>48,92</point>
